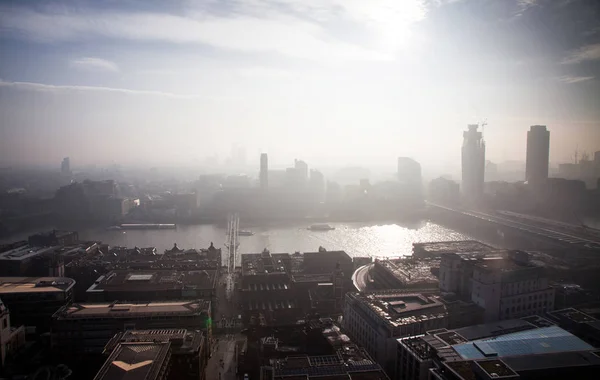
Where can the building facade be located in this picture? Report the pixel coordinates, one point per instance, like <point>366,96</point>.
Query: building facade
<point>473,164</point>
<point>538,155</point>
<point>264,171</point>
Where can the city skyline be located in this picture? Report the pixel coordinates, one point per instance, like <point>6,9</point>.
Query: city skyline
<point>325,80</point>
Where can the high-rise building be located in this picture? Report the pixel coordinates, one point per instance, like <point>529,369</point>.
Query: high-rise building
<point>264,171</point>
<point>409,170</point>
<point>65,166</point>
<point>473,163</point>
<point>317,184</point>
<point>301,170</point>
<point>538,153</point>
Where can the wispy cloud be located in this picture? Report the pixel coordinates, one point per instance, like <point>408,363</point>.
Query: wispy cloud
<point>291,27</point>
<point>32,86</point>
<point>574,79</point>
<point>586,53</point>
<point>94,64</point>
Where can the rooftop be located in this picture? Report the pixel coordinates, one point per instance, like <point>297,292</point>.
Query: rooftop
<point>436,249</point>
<point>35,284</point>
<point>348,361</point>
<point>154,280</point>
<point>531,342</point>
<point>399,308</point>
<point>411,271</point>
<point>262,263</point>
<point>133,361</point>
<point>571,314</point>
<point>129,310</point>
<point>181,340</point>
<point>24,253</point>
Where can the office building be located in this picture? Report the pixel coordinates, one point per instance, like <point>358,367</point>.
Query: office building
<point>409,170</point>
<point>511,349</point>
<point>133,360</point>
<point>65,166</point>
<point>317,185</point>
<point>53,238</point>
<point>187,353</point>
<point>264,171</point>
<point>473,164</point>
<point>538,155</point>
<point>25,260</point>
<point>349,363</point>
<point>154,285</point>
<point>85,328</point>
<point>33,301</point>
<point>375,320</point>
<point>301,170</point>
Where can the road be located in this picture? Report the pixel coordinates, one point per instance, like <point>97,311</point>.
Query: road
<point>222,365</point>
<point>361,277</point>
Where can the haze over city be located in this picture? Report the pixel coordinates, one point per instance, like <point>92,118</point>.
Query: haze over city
<point>334,82</point>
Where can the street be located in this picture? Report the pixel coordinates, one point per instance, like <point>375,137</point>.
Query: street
<point>222,365</point>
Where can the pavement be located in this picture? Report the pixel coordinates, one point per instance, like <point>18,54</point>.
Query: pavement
<point>361,277</point>
<point>222,365</point>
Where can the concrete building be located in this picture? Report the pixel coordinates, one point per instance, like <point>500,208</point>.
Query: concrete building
<point>65,166</point>
<point>409,170</point>
<point>154,285</point>
<point>473,164</point>
<point>538,155</point>
<point>187,354</point>
<point>375,320</point>
<point>133,360</point>
<point>264,171</point>
<point>511,287</point>
<point>31,261</point>
<point>405,273</point>
<point>512,349</point>
<point>301,168</point>
<point>350,363</point>
<point>85,328</point>
<point>33,301</point>
<point>444,191</point>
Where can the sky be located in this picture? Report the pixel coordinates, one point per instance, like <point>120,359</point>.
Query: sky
<point>334,82</point>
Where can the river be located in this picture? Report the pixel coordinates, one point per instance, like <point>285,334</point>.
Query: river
<point>358,239</point>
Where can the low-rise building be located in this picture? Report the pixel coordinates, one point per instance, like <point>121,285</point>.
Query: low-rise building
<point>87,327</point>
<point>33,301</point>
<point>511,349</point>
<point>133,360</point>
<point>375,320</point>
<point>11,338</point>
<point>154,285</point>
<point>439,248</point>
<point>187,351</point>
<point>405,273</point>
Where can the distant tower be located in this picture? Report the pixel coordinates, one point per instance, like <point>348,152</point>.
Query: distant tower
<point>473,163</point>
<point>264,171</point>
<point>538,154</point>
<point>65,166</point>
<point>301,170</point>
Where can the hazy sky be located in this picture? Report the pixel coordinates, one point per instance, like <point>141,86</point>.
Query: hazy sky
<point>335,81</point>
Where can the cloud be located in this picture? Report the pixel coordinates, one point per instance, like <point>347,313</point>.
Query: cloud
<point>574,79</point>
<point>94,64</point>
<point>31,86</point>
<point>586,53</point>
<point>307,29</point>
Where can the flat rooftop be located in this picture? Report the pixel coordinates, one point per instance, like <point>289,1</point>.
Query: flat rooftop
<point>572,314</point>
<point>181,340</point>
<point>131,310</point>
<point>24,253</point>
<point>436,249</point>
<point>399,308</point>
<point>542,340</point>
<point>135,361</point>
<point>10,285</point>
<point>263,263</point>
<point>154,280</point>
<point>410,271</point>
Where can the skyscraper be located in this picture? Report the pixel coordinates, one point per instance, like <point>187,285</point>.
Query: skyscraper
<point>264,171</point>
<point>301,170</point>
<point>473,163</point>
<point>409,170</point>
<point>65,166</point>
<point>538,153</point>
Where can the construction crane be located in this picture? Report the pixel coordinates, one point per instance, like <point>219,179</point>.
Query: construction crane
<point>483,124</point>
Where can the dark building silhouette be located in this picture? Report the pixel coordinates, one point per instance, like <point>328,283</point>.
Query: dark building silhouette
<point>473,163</point>
<point>264,171</point>
<point>65,166</point>
<point>538,153</point>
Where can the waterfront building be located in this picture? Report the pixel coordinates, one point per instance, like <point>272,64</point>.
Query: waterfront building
<point>264,171</point>
<point>473,164</point>
<point>511,349</point>
<point>375,320</point>
<point>538,155</point>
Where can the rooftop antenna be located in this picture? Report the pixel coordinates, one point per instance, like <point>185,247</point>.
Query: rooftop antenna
<point>483,124</point>
<point>576,154</point>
